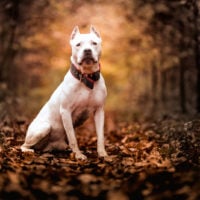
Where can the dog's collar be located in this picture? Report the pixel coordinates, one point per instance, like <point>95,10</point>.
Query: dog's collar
<point>87,79</point>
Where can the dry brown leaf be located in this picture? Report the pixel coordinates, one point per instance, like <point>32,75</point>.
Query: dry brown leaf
<point>87,178</point>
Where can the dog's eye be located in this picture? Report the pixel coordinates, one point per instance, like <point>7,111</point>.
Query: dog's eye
<point>94,43</point>
<point>78,44</point>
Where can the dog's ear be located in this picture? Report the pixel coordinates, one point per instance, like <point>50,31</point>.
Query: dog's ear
<point>93,30</point>
<point>75,32</point>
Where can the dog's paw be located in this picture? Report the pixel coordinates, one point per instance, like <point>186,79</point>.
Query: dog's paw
<point>25,149</point>
<point>102,154</point>
<point>80,156</point>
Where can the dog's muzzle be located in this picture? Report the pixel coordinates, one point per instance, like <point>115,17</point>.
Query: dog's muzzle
<point>87,57</point>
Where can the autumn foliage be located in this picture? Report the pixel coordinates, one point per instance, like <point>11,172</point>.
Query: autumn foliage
<point>147,161</point>
<point>151,64</point>
<point>150,51</point>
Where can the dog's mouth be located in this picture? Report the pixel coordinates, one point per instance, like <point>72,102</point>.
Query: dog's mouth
<point>88,60</point>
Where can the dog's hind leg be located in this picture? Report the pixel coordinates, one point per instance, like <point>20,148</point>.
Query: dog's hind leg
<point>36,132</point>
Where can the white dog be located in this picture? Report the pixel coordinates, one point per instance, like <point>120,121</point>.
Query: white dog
<point>81,93</point>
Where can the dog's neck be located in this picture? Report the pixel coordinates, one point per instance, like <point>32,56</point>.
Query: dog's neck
<point>86,68</point>
<point>87,79</point>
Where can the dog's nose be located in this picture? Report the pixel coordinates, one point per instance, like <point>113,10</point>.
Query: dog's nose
<point>87,51</point>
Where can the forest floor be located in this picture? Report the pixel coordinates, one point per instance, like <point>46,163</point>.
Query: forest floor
<point>148,160</point>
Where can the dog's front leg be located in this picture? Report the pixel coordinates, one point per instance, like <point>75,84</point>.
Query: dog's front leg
<point>99,124</point>
<point>69,129</point>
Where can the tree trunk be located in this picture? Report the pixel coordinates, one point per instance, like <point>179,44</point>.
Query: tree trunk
<point>163,86</point>
<point>182,88</point>
<point>197,52</point>
<point>7,74</point>
<point>154,83</point>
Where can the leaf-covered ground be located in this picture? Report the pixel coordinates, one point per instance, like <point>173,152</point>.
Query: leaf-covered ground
<point>148,161</point>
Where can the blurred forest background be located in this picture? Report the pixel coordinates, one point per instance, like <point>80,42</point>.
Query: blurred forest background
<point>150,60</point>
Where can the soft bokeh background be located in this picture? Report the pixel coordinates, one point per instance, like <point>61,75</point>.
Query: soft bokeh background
<point>150,53</point>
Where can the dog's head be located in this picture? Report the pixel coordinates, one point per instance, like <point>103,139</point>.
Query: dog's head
<point>86,49</point>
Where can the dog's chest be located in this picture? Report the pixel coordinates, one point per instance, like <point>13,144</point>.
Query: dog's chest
<point>79,100</point>
<point>84,103</point>
<point>83,99</point>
